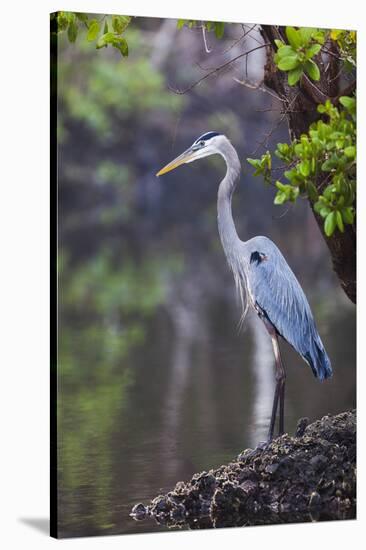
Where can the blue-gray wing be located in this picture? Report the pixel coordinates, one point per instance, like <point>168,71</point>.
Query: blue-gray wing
<point>275,289</point>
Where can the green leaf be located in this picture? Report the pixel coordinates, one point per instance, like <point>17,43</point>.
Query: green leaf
<point>294,37</point>
<point>339,220</point>
<point>304,168</point>
<point>349,103</point>
<point>105,30</point>
<point>321,208</point>
<point>105,39</point>
<point>350,151</point>
<point>278,43</point>
<point>295,191</point>
<point>181,23</point>
<point>330,223</point>
<point>295,75</point>
<point>289,191</point>
<point>280,198</point>
<point>335,34</point>
<point>312,69</point>
<point>62,21</point>
<point>319,36</point>
<point>346,101</point>
<point>281,186</point>
<point>288,63</point>
<point>116,24</point>
<point>121,45</point>
<point>93,30</point>
<point>254,162</point>
<point>72,31</point>
<point>324,211</point>
<point>284,151</point>
<point>285,51</point>
<point>219,29</point>
<point>120,23</point>
<point>312,191</point>
<point>306,34</point>
<point>348,214</point>
<point>313,50</point>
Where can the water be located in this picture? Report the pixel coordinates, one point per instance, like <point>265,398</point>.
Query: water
<point>187,396</point>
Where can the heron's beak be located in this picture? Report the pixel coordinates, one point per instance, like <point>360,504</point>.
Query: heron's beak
<point>187,156</point>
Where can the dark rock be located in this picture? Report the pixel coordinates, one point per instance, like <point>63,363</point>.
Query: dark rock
<point>271,468</point>
<point>304,478</point>
<point>319,462</point>
<point>249,487</point>
<point>139,511</point>
<point>206,484</point>
<point>178,513</point>
<point>315,500</point>
<point>160,505</point>
<point>301,426</point>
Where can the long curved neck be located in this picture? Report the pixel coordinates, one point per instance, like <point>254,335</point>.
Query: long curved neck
<point>228,235</point>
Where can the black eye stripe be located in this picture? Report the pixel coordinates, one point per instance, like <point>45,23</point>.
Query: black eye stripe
<point>198,145</point>
<point>206,136</point>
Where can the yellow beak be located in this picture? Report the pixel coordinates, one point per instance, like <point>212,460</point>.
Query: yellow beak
<point>182,159</point>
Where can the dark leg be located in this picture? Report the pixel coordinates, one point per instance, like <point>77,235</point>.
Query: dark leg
<point>280,381</point>
<point>279,395</point>
<point>274,412</point>
<point>282,406</point>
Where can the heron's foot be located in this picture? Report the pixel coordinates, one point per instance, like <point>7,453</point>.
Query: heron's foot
<point>271,437</point>
<point>262,445</point>
<point>269,440</point>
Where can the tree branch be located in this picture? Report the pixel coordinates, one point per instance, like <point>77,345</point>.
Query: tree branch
<point>217,70</point>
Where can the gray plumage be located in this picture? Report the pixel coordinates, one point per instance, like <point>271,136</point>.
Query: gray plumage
<point>265,280</point>
<point>277,293</point>
<point>262,276</point>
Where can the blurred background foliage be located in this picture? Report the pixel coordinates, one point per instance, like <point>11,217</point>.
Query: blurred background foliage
<point>155,382</point>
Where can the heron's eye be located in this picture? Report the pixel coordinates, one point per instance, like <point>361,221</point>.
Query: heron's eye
<point>201,143</point>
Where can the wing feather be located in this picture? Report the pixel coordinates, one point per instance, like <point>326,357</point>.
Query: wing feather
<point>274,287</point>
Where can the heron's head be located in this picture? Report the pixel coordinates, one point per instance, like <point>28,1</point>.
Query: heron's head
<point>210,143</point>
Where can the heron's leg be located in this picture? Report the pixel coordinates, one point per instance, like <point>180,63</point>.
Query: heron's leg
<point>279,395</point>
<point>274,411</point>
<point>280,380</point>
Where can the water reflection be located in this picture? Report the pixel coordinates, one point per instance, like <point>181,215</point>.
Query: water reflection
<point>188,394</point>
<point>186,316</point>
<point>240,520</point>
<point>264,380</point>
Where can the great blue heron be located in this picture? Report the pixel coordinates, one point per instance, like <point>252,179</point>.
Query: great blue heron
<point>262,276</point>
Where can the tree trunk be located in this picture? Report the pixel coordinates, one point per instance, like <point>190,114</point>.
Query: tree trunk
<point>300,103</point>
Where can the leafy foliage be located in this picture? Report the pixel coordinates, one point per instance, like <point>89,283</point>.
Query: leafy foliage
<point>112,34</point>
<point>321,166</point>
<point>263,166</point>
<point>304,44</point>
<point>346,42</point>
<point>296,57</point>
<point>110,94</point>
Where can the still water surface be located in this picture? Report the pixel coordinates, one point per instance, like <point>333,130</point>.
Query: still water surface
<point>190,396</point>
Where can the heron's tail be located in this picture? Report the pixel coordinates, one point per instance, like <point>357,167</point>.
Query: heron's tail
<point>318,359</point>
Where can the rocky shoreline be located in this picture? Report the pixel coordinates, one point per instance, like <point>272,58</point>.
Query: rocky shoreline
<point>310,476</point>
